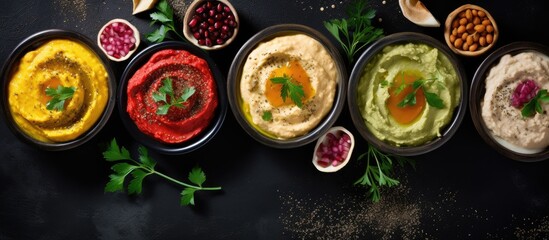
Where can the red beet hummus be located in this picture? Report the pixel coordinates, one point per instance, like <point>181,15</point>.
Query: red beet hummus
<point>180,123</point>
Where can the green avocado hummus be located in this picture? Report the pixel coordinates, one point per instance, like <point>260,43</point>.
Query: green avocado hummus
<point>407,94</point>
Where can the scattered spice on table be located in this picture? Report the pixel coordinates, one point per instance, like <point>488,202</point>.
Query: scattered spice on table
<point>76,8</point>
<point>351,216</point>
<point>403,214</point>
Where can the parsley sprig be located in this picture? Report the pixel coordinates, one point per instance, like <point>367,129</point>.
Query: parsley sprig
<point>164,16</point>
<point>59,96</point>
<point>410,99</point>
<point>357,30</point>
<point>167,90</point>
<point>290,88</point>
<point>535,104</point>
<point>267,116</point>
<point>138,170</point>
<point>379,168</point>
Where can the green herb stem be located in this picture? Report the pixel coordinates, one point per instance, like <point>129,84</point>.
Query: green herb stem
<point>136,171</point>
<point>184,184</point>
<point>378,175</point>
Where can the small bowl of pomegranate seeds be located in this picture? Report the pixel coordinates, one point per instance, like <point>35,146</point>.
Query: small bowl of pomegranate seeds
<point>211,25</point>
<point>333,150</point>
<point>509,101</point>
<point>118,39</point>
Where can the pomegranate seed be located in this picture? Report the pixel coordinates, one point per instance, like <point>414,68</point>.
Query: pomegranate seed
<point>213,20</point>
<point>193,22</point>
<point>203,25</point>
<point>524,92</point>
<point>224,28</point>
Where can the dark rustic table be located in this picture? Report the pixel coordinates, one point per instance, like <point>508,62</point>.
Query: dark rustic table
<point>463,190</point>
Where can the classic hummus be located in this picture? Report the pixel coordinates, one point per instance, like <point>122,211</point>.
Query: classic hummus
<point>58,63</point>
<point>185,71</point>
<point>408,93</point>
<point>305,63</point>
<point>526,134</point>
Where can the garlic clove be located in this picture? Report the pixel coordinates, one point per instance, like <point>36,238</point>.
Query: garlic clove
<point>416,12</point>
<point>142,5</point>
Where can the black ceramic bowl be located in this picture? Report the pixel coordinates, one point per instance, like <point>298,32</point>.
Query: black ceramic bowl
<point>197,141</point>
<point>235,74</point>
<point>33,42</point>
<point>478,89</point>
<point>446,132</point>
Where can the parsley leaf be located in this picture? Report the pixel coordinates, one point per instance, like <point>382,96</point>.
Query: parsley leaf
<point>138,170</point>
<point>197,176</point>
<point>410,99</point>
<point>357,30</point>
<point>136,183</point>
<point>164,15</point>
<point>267,116</point>
<point>534,105</point>
<point>379,167</point>
<point>433,99</point>
<point>187,196</point>
<point>59,95</point>
<point>290,88</point>
<point>167,90</point>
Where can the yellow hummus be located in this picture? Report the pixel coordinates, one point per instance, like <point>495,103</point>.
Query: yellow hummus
<point>309,65</point>
<point>521,134</point>
<point>390,77</point>
<point>58,63</point>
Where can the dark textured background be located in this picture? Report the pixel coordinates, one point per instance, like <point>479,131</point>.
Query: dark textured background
<point>461,190</point>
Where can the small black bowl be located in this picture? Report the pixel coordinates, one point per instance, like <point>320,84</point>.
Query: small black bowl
<point>446,132</point>
<point>197,141</point>
<point>235,73</point>
<point>33,42</point>
<point>477,94</point>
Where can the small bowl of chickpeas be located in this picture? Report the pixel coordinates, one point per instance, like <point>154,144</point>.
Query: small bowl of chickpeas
<point>470,30</point>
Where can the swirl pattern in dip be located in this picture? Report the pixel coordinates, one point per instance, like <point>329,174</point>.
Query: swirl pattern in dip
<point>391,76</point>
<point>58,62</point>
<point>185,71</point>
<point>310,66</point>
<point>506,123</point>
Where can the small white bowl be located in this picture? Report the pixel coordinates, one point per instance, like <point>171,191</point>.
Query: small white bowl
<point>337,131</point>
<point>135,35</point>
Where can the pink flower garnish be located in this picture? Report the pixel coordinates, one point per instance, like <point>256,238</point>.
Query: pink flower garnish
<point>525,91</point>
